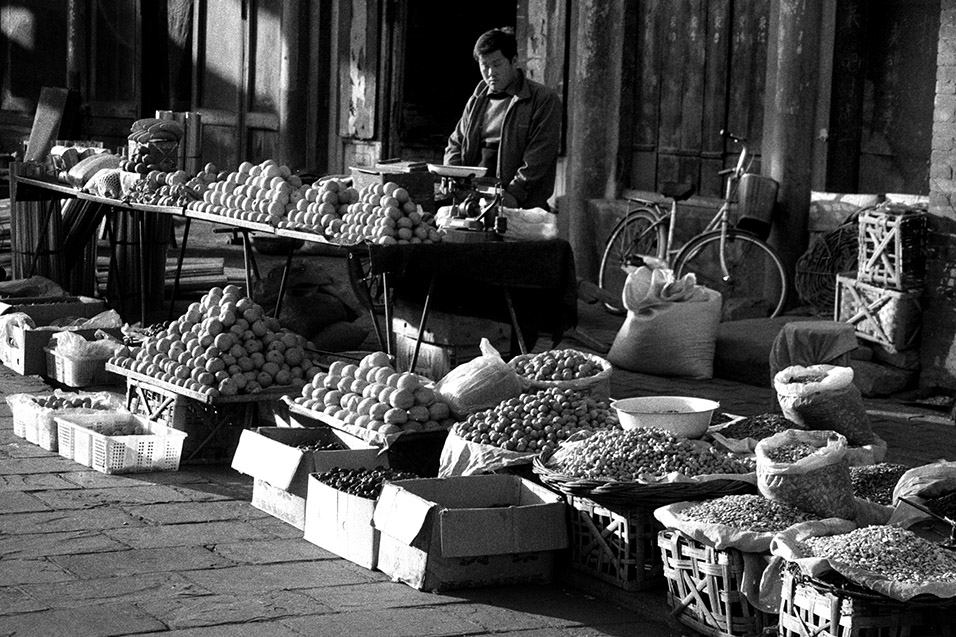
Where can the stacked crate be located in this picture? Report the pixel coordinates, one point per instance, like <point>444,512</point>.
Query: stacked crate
<point>882,299</point>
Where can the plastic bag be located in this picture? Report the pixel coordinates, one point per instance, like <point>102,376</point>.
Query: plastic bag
<point>823,397</point>
<point>460,457</point>
<point>818,483</point>
<point>534,224</point>
<point>479,384</point>
<point>72,345</point>
<point>671,325</point>
<point>920,484</point>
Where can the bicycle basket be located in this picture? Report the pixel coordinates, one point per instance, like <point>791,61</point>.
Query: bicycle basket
<point>756,196</point>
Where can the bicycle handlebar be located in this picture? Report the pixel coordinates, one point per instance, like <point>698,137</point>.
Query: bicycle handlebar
<point>726,133</point>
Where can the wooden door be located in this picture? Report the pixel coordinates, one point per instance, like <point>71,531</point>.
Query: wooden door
<point>699,67</point>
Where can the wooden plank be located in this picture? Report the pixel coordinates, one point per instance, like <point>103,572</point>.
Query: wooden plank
<point>647,88</point>
<point>692,95</point>
<point>358,68</point>
<point>715,96</point>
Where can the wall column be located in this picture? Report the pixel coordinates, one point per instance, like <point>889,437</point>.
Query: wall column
<point>594,103</point>
<point>793,55</point>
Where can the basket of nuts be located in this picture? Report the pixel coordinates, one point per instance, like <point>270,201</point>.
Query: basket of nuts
<point>647,467</point>
<point>564,369</point>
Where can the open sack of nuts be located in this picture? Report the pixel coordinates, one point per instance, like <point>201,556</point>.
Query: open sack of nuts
<point>933,486</point>
<point>889,560</point>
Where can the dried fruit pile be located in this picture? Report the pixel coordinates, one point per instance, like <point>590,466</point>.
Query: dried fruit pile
<point>628,456</point>
<point>557,364</point>
<point>54,401</point>
<point>750,512</point>
<point>759,427</point>
<point>364,483</point>
<point>876,482</point>
<point>374,396</point>
<point>536,421</point>
<point>790,453</point>
<point>895,553</point>
<point>311,447</point>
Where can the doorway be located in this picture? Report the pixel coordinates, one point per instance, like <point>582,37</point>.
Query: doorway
<point>434,72</point>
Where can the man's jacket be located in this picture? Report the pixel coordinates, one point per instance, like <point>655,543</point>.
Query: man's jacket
<point>530,135</point>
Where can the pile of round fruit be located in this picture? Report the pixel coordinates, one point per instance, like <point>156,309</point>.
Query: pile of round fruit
<point>60,401</point>
<point>127,428</point>
<point>384,214</point>
<point>557,364</point>
<point>641,454</point>
<point>372,395</point>
<point>536,422</point>
<point>319,207</point>
<point>364,483</point>
<point>260,193</point>
<point>223,345</point>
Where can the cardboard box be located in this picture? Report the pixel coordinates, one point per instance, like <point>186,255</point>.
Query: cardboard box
<point>281,470</point>
<point>446,533</point>
<point>341,523</point>
<point>46,309</point>
<point>22,347</point>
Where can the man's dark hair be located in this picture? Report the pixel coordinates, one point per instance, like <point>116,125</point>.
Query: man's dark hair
<point>502,39</point>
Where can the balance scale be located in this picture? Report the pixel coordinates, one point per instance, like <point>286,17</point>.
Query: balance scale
<point>474,214</point>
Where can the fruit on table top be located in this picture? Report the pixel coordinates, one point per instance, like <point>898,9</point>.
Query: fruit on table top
<point>384,214</point>
<point>372,395</point>
<point>364,483</point>
<point>222,346</point>
<point>259,193</point>
<point>536,422</point>
<point>557,364</point>
<point>319,207</point>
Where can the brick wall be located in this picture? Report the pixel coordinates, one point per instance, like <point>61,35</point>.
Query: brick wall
<point>939,316</point>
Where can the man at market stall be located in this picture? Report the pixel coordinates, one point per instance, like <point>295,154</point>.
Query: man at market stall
<point>511,125</point>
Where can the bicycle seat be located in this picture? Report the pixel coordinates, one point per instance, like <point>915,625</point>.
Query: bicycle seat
<point>678,192</point>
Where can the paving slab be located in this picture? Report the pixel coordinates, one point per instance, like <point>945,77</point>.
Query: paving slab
<point>394,622</point>
<point>202,511</point>
<point>99,518</point>
<point>247,580</point>
<point>247,629</point>
<point>14,600</point>
<point>37,571</point>
<point>87,498</point>
<point>91,479</point>
<point>35,545</point>
<point>381,594</point>
<point>89,621</point>
<point>189,534</point>
<point>34,482</point>
<point>19,502</point>
<point>128,562</point>
<point>271,551</point>
<point>41,464</point>
<point>111,590</point>
<point>23,449</point>
<point>210,610</point>
<point>271,526</point>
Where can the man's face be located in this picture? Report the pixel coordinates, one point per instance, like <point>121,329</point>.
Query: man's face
<point>497,71</point>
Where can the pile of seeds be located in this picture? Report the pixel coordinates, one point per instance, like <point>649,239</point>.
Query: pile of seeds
<point>943,505</point>
<point>876,482</point>
<point>759,427</point>
<point>626,456</point>
<point>894,553</point>
<point>790,453</point>
<point>750,512</point>
<point>311,447</point>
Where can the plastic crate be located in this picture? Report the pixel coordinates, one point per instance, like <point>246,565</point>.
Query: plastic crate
<point>891,246</point>
<point>81,441</point>
<point>891,318</point>
<point>76,372</point>
<point>618,547</point>
<point>704,588</point>
<point>37,424</point>
<point>809,608</point>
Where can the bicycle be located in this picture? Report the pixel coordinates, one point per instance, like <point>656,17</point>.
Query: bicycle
<point>725,257</point>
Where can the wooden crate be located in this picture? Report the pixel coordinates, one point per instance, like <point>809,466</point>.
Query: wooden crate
<point>891,247</point>
<point>448,340</point>
<point>810,610</point>
<point>891,318</point>
<point>704,588</point>
<point>618,547</point>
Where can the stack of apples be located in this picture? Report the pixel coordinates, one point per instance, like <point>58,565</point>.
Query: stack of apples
<point>260,193</point>
<point>319,207</point>
<point>222,346</point>
<point>384,214</point>
<point>372,395</point>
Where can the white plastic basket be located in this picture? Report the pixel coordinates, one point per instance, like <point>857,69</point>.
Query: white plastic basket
<point>80,440</point>
<point>36,424</point>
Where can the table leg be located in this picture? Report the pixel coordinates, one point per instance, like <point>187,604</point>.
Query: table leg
<point>285,279</point>
<point>387,299</point>
<point>179,268</point>
<point>246,258</point>
<point>514,322</point>
<point>41,238</point>
<point>421,324</point>
<point>141,217</point>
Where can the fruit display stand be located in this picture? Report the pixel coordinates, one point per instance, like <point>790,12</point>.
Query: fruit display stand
<point>414,451</point>
<point>213,424</point>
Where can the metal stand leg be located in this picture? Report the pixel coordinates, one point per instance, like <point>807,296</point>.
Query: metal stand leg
<point>248,260</point>
<point>514,322</point>
<point>179,269</point>
<point>282,283</point>
<point>141,217</point>
<point>387,298</point>
<point>421,324</point>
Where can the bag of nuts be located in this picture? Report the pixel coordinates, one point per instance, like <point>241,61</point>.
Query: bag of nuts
<point>823,397</point>
<point>932,485</point>
<point>807,470</point>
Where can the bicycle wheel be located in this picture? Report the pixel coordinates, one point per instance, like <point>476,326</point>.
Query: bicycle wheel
<point>634,237</point>
<point>756,285</point>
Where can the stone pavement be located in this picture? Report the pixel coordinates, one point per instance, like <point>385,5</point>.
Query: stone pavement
<point>184,553</point>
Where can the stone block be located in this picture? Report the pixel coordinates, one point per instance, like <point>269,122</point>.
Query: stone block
<point>874,379</point>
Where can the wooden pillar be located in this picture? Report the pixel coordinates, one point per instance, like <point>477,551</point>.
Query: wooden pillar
<point>789,115</point>
<point>594,105</point>
<point>75,44</point>
<point>293,83</point>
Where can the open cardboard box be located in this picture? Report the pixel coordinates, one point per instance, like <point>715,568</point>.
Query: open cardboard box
<point>281,470</point>
<point>341,523</point>
<point>446,533</point>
